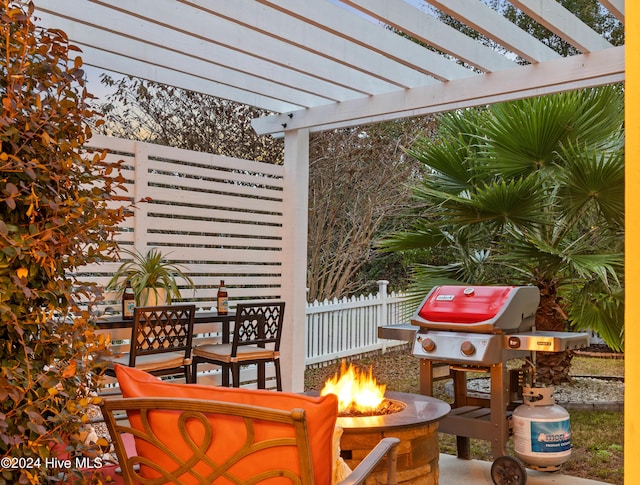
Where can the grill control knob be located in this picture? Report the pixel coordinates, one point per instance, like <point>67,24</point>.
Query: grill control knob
<point>428,345</point>
<point>468,348</point>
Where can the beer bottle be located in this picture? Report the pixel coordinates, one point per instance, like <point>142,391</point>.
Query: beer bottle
<point>223,299</point>
<point>128,302</point>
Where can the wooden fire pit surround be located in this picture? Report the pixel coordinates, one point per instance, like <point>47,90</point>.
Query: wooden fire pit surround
<point>416,425</point>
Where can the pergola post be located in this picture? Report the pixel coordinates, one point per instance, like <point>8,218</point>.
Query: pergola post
<point>294,262</point>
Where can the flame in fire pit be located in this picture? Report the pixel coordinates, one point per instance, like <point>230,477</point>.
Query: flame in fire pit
<point>357,391</point>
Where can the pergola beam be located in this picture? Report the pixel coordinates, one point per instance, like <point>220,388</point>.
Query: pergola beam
<point>184,80</point>
<point>425,28</point>
<point>564,24</point>
<point>602,67</point>
<point>494,26</point>
<point>357,31</point>
<point>303,43</point>
<point>335,65</point>
<point>615,7</point>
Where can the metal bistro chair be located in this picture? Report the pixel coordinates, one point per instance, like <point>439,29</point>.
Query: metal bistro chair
<point>161,339</point>
<point>256,340</point>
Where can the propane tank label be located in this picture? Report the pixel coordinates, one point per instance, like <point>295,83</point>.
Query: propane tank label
<point>542,436</point>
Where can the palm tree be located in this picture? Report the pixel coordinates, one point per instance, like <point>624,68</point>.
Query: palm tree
<point>529,192</point>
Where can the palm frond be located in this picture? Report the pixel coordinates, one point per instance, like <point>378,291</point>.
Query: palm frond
<point>518,202</point>
<point>524,135</point>
<point>593,308</point>
<point>605,267</point>
<point>593,179</point>
<point>446,161</point>
<point>419,238</point>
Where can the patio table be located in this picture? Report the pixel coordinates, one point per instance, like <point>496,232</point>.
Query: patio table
<point>204,322</point>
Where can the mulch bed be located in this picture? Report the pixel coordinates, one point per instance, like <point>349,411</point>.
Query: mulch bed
<point>601,351</point>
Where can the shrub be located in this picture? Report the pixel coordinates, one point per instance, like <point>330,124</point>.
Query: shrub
<point>56,216</point>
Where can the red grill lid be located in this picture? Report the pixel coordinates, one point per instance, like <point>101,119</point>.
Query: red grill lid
<point>464,304</point>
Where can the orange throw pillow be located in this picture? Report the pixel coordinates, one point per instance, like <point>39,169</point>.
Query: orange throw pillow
<point>321,412</point>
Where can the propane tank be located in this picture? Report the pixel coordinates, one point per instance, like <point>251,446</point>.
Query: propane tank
<point>541,430</point>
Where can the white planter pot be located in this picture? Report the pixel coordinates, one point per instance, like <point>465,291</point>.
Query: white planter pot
<point>153,297</point>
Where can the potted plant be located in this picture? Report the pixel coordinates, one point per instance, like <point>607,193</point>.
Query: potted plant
<point>152,278</point>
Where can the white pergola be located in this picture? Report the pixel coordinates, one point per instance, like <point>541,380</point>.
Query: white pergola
<point>321,64</point>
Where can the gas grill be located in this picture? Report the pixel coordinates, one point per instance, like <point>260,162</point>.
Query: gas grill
<point>461,329</point>
<point>484,325</point>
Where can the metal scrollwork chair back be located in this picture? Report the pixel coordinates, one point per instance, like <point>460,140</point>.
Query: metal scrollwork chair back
<point>161,340</point>
<point>256,340</point>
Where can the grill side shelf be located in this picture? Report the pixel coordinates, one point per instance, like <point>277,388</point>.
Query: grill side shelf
<point>546,341</point>
<point>406,332</point>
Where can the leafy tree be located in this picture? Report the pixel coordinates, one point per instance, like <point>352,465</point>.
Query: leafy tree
<point>54,201</point>
<point>591,12</point>
<point>359,179</point>
<point>166,115</point>
<point>530,192</point>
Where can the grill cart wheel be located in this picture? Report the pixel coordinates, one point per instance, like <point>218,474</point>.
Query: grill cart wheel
<point>507,470</point>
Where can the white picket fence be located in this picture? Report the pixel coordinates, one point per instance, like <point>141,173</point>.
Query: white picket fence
<point>348,327</point>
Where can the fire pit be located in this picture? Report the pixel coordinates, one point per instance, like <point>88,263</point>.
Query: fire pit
<point>416,425</point>
<point>368,414</point>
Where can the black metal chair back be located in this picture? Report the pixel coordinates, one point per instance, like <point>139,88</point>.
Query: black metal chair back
<point>162,329</point>
<point>258,324</point>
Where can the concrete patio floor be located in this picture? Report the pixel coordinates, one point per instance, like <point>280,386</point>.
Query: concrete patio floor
<point>454,471</point>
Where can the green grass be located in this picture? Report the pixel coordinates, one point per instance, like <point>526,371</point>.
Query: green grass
<point>597,436</point>
<point>596,440</point>
<point>588,366</point>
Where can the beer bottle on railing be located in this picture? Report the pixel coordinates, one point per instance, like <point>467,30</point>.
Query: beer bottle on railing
<point>223,299</point>
<point>128,302</point>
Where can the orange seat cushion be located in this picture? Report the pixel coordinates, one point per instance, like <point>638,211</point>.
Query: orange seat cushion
<point>321,413</point>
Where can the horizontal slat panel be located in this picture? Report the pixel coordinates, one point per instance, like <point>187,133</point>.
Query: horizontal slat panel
<point>207,212</point>
<point>210,186</point>
<point>221,242</point>
<point>239,270</point>
<point>113,144</point>
<point>227,232</point>
<point>222,219</point>
<point>170,153</point>
<point>239,202</point>
<point>195,172</point>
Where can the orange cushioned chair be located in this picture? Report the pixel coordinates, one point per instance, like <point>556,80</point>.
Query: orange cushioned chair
<point>195,434</point>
